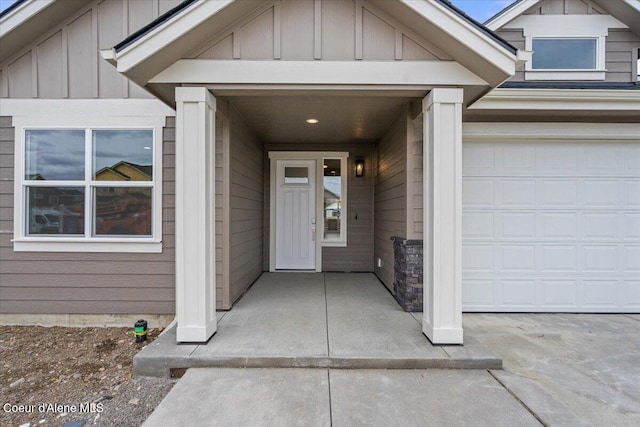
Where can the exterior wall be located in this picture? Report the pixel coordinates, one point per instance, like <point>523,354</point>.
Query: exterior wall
<point>621,44</point>
<point>621,54</point>
<point>358,254</point>
<point>516,38</point>
<point>222,277</point>
<point>65,63</point>
<point>322,29</point>
<point>76,283</point>
<point>415,223</point>
<point>390,196</point>
<point>247,207</point>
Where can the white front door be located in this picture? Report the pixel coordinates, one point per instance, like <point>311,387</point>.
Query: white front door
<point>295,214</point>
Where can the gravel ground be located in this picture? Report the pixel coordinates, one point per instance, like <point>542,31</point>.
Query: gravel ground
<point>74,377</point>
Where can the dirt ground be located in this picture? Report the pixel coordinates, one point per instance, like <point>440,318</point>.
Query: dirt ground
<point>74,377</point>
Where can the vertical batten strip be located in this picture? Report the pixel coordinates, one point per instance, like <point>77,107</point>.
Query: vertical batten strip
<point>277,30</point>
<point>155,8</point>
<point>4,73</point>
<point>398,43</point>
<point>317,29</point>
<point>34,71</point>
<point>125,31</point>
<point>96,54</point>
<point>358,34</point>
<point>65,62</point>
<point>235,39</point>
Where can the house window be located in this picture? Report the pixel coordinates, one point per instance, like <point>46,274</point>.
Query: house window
<point>334,201</point>
<point>89,186</point>
<point>564,53</point>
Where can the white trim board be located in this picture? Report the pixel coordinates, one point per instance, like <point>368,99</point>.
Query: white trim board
<point>318,72</point>
<point>550,131</point>
<point>72,108</point>
<point>21,13</point>
<point>559,99</point>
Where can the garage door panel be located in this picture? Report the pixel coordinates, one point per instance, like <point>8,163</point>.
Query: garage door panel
<point>517,258</point>
<point>631,226</point>
<point>516,193</point>
<point>518,293</point>
<point>602,193</point>
<point>558,193</point>
<point>632,258</point>
<point>558,225</point>
<point>477,225</point>
<point>551,227</point>
<point>632,193</point>
<point>517,225</point>
<point>558,258</point>
<point>631,293</point>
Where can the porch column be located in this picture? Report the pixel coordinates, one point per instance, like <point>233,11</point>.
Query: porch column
<point>442,189</point>
<point>195,214</point>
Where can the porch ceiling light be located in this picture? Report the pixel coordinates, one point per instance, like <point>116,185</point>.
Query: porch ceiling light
<point>312,121</point>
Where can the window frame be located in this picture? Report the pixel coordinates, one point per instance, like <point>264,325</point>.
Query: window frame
<point>342,241</point>
<point>579,74</point>
<point>87,242</point>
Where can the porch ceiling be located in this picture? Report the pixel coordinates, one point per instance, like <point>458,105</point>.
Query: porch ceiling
<point>340,118</point>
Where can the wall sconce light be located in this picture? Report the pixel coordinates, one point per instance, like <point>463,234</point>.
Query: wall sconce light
<point>359,167</point>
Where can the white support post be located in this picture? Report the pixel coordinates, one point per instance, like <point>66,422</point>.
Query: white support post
<point>195,214</point>
<point>442,185</point>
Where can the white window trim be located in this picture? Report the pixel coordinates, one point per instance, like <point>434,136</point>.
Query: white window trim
<point>24,243</point>
<point>566,26</point>
<point>597,73</point>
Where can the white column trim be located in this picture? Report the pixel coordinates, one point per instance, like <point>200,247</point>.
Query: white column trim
<point>442,189</point>
<point>195,215</point>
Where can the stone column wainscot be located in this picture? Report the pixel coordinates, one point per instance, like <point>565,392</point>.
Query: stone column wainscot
<point>408,273</point>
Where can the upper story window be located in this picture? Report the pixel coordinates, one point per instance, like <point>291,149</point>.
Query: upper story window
<point>564,53</point>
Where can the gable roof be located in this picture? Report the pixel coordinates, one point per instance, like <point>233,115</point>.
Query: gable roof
<point>160,44</point>
<point>627,11</point>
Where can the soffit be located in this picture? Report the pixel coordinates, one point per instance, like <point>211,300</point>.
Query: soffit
<point>29,20</point>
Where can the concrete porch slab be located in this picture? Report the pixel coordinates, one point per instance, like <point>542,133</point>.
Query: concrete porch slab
<point>305,320</point>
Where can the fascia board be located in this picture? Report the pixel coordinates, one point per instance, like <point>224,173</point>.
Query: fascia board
<point>559,99</point>
<point>22,13</point>
<point>465,33</point>
<point>509,14</point>
<point>156,39</point>
<point>194,71</point>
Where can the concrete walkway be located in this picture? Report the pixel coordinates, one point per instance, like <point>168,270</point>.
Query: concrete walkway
<point>332,320</point>
<point>559,369</point>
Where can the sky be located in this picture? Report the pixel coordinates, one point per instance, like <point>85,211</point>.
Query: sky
<point>480,10</point>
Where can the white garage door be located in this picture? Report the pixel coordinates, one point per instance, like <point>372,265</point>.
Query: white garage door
<point>551,226</point>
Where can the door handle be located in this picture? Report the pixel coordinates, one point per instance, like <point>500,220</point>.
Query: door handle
<point>313,234</point>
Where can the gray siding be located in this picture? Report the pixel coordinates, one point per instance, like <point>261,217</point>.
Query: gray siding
<point>64,62</point>
<point>222,277</point>
<point>247,207</point>
<point>621,50</point>
<point>415,179</point>
<point>80,283</point>
<point>358,254</point>
<point>335,30</point>
<point>390,196</point>
<point>621,54</point>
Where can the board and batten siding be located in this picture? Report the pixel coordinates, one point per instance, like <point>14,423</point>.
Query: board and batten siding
<point>64,61</point>
<point>390,187</point>
<point>246,207</point>
<point>318,29</point>
<point>357,256</point>
<point>82,283</point>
